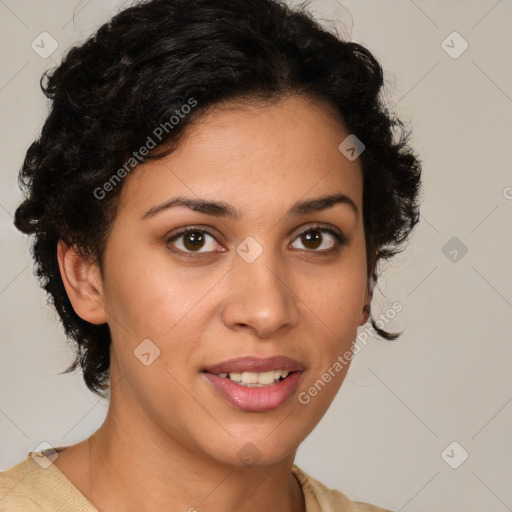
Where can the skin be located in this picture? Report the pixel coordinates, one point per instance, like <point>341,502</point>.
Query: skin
<point>169,441</point>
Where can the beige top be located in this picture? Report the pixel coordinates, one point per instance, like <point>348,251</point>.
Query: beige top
<point>28,487</point>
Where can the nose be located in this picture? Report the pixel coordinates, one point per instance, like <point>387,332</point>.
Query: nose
<point>260,297</point>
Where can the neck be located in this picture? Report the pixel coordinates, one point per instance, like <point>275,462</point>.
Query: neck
<point>131,467</point>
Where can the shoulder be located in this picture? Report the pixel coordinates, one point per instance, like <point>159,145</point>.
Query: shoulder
<point>320,498</point>
<point>359,506</point>
<point>36,485</point>
<point>13,496</point>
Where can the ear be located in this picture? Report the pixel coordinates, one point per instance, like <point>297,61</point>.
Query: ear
<point>83,284</point>
<point>365,314</point>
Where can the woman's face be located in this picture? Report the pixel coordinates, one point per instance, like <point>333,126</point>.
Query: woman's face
<point>259,276</point>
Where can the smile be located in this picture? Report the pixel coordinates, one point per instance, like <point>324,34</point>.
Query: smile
<point>253,379</point>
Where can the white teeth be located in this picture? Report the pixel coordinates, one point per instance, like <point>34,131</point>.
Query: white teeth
<point>250,378</point>
<point>253,379</point>
<point>264,377</point>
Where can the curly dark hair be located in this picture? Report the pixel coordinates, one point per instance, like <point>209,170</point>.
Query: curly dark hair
<point>138,71</point>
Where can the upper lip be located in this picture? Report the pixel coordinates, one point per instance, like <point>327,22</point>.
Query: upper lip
<point>255,364</point>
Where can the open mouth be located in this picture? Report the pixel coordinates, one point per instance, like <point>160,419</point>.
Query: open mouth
<point>255,384</point>
<point>255,391</point>
<point>256,380</point>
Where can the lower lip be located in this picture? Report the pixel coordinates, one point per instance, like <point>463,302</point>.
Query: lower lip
<point>255,399</point>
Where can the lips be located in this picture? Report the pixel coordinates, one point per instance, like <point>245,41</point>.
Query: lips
<point>255,399</point>
<point>255,364</point>
<point>261,399</point>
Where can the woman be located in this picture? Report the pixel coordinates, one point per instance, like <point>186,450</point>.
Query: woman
<point>210,196</point>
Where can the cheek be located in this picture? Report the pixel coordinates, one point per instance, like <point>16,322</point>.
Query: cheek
<point>138,296</point>
<point>153,298</point>
<point>334,308</point>
<point>338,310</point>
<point>335,312</point>
<point>338,297</point>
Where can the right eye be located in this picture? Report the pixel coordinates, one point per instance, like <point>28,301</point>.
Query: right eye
<point>193,240</point>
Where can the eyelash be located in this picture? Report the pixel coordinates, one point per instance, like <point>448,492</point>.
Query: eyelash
<point>340,239</point>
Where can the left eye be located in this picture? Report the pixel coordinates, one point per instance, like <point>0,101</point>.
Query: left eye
<point>313,239</point>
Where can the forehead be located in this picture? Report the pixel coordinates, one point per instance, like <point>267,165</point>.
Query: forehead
<point>252,154</point>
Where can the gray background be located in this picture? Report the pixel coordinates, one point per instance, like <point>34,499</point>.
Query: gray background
<point>403,403</point>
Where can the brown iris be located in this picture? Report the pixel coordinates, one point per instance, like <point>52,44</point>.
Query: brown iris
<point>194,240</point>
<point>314,238</point>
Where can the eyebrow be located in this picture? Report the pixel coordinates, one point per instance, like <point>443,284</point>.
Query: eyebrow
<point>222,209</point>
